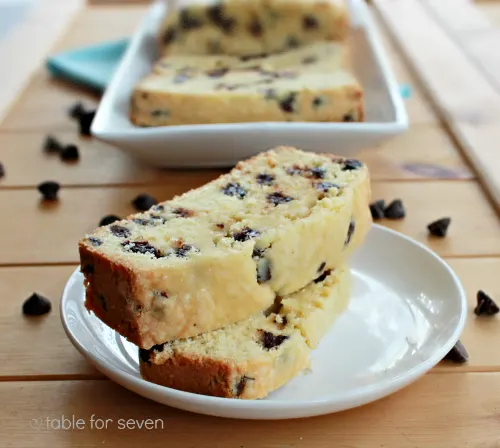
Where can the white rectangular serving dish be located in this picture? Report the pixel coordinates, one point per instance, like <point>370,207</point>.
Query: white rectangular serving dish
<point>221,145</point>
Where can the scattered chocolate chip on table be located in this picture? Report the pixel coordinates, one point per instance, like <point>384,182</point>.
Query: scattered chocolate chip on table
<point>49,190</point>
<point>108,219</point>
<point>70,153</point>
<point>439,228</point>
<point>458,354</point>
<point>36,305</point>
<point>486,306</point>
<point>395,210</point>
<point>144,202</point>
<point>377,209</point>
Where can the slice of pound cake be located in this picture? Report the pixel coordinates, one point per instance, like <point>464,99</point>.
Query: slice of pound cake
<point>250,27</point>
<point>252,358</point>
<point>219,254</point>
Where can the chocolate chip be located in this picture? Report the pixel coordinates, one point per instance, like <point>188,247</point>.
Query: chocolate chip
<point>257,253</point>
<point>287,104</point>
<point>255,28</point>
<point>486,306</point>
<point>85,122</point>
<point>218,72</point>
<point>395,210</point>
<point>69,153</point>
<point>144,202</point>
<point>234,189</point>
<point>188,22</point>
<point>457,354</point>
<point>347,118</point>
<point>51,145</point>
<point>95,241</point>
<point>144,355</point>
<point>220,226</point>
<point>36,305</point>
<point>170,35</point>
<point>2,170</point>
<point>119,231</point>
<point>350,231</point>
<point>216,15</point>
<point>439,228</point>
<point>292,42</point>
<point>108,219</point>
<point>164,294</point>
<point>278,198</point>
<point>377,209</point>
<point>158,208</point>
<point>183,250</point>
<point>76,110</point>
<point>322,266</point>
<point>322,276</point>
<point>294,170</point>
<point>270,340</point>
<point>317,172</point>
<point>240,387</point>
<point>325,186</point>
<point>142,247</point>
<point>351,165</point>
<point>183,212</point>
<point>281,321</point>
<point>310,22</point>
<point>49,190</point>
<point>317,102</point>
<point>309,60</point>
<point>246,234</point>
<point>265,179</point>
<point>263,270</point>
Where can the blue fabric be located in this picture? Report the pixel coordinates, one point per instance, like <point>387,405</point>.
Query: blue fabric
<point>90,66</point>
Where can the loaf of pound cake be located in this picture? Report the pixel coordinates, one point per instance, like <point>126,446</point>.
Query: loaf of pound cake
<point>250,27</point>
<point>252,358</point>
<point>221,253</point>
<point>308,84</point>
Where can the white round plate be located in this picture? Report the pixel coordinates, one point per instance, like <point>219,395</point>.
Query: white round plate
<point>407,311</point>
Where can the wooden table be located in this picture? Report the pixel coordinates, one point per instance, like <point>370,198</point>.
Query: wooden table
<point>43,376</point>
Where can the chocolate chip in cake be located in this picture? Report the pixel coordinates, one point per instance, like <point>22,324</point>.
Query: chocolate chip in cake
<point>278,198</point>
<point>292,42</point>
<point>183,212</point>
<point>234,189</point>
<point>164,294</point>
<point>51,145</point>
<point>88,269</point>
<point>119,231</point>
<point>49,190</point>
<point>218,18</point>
<point>351,165</point>
<point>108,219</point>
<point>317,102</point>
<point>325,186</point>
<point>317,172</point>
<point>188,22</point>
<point>36,305</point>
<point>294,170</point>
<point>69,153</point>
<point>76,110</point>
<point>85,122</point>
<point>457,354</point>
<point>486,306</point>
<point>309,22</point>
<point>377,209</point>
<point>240,387</point>
<point>439,228</point>
<point>220,226</point>
<point>322,266</point>
<point>265,179</point>
<point>322,276</point>
<point>245,234</point>
<point>2,170</point>
<point>395,210</point>
<point>350,232</point>
<point>270,340</point>
<point>158,208</point>
<point>347,118</point>
<point>142,221</point>
<point>144,202</point>
<point>287,104</point>
<point>96,242</point>
<point>142,247</point>
<point>183,250</point>
<point>218,72</point>
<point>255,28</point>
<point>170,35</point>
<point>144,355</point>
<point>309,60</point>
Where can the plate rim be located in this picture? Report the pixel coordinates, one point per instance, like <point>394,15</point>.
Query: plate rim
<point>297,408</point>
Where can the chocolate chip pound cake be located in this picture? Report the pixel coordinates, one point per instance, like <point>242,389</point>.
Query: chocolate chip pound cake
<point>250,27</point>
<point>219,254</point>
<point>252,94</point>
<point>252,358</point>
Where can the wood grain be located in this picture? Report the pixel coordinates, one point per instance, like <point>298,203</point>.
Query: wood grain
<point>445,411</point>
<point>42,349</point>
<point>38,345</point>
<point>428,154</point>
<point>467,101</point>
<point>49,234</point>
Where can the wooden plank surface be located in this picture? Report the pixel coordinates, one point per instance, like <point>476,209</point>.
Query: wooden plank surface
<point>49,234</point>
<point>445,411</point>
<point>42,349</point>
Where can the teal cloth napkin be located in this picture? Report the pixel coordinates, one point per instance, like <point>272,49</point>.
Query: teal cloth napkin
<point>90,66</point>
<point>94,66</point>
